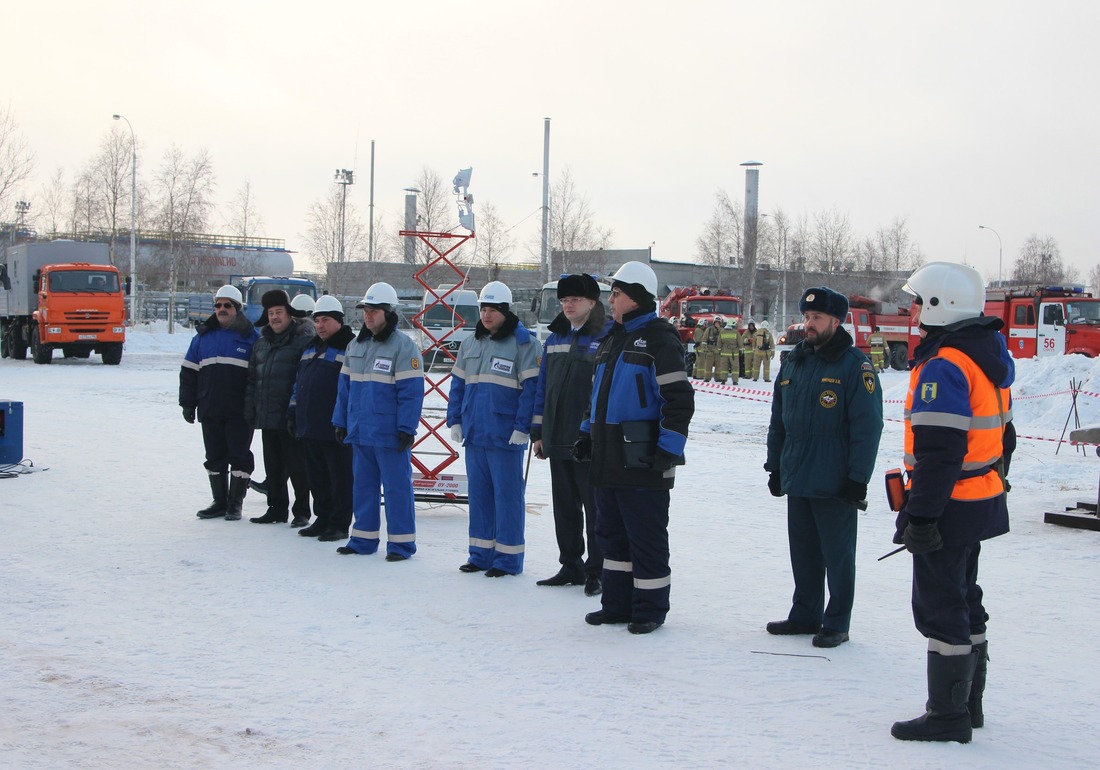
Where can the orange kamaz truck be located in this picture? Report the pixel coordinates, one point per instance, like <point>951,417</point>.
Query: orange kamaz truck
<point>61,295</point>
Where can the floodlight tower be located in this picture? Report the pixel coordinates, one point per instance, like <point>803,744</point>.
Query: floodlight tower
<point>344,177</point>
<point>465,199</point>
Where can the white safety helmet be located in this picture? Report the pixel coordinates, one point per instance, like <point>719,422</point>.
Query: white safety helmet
<point>495,293</point>
<point>230,292</point>
<point>380,293</point>
<point>949,292</point>
<point>328,304</point>
<point>719,320</point>
<point>765,325</point>
<point>639,273</point>
<point>303,303</point>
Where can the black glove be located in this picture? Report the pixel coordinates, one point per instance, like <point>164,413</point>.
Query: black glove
<point>405,441</point>
<point>661,461</point>
<point>853,492</point>
<point>773,485</point>
<point>189,414</point>
<point>292,427</point>
<point>582,449</point>
<point>922,535</point>
<point>341,434</point>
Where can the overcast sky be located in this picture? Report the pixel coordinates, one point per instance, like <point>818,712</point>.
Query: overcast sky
<point>950,114</point>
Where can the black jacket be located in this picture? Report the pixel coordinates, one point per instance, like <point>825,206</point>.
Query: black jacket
<point>640,377</point>
<point>271,372</point>
<point>565,382</point>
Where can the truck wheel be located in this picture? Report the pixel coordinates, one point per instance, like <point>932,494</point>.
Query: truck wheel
<point>5,346</point>
<point>43,354</point>
<point>112,354</point>
<point>899,358</point>
<point>689,362</point>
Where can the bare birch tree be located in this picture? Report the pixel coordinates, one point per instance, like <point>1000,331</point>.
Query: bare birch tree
<point>183,189</point>
<point>573,229</point>
<point>16,160</point>
<point>1040,262</point>
<point>323,238</point>
<point>493,242</point>
<point>243,218</point>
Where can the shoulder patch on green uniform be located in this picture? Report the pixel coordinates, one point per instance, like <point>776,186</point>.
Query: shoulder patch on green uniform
<point>928,392</point>
<point>869,381</point>
<point>867,366</point>
<point>827,399</point>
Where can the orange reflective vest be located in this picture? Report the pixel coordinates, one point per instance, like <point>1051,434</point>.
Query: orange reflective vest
<point>990,408</point>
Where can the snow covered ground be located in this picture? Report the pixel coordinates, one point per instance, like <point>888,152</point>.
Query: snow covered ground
<point>133,634</point>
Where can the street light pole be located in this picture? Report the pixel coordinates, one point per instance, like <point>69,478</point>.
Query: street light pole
<point>1000,250</point>
<point>133,221</point>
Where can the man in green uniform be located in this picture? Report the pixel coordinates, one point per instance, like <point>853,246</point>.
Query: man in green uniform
<point>729,346</point>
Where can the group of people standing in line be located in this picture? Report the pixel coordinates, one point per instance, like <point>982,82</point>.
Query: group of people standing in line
<point>608,404</point>
<point>722,352</point>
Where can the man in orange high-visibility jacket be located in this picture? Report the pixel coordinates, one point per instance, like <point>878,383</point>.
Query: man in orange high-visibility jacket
<point>958,442</point>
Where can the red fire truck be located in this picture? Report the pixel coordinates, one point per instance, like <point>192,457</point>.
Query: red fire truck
<point>687,306</point>
<point>865,314</point>
<point>1047,320</point>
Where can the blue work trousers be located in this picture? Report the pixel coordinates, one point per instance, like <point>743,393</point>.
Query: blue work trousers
<point>377,470</point>
<point>496,508</point>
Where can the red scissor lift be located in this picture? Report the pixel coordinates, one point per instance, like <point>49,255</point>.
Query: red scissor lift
<point>430,482</point>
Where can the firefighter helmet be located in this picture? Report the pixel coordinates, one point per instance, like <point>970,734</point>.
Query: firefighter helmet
<point>947,292</point>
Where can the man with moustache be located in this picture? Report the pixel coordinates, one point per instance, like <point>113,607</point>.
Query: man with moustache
<point>212,388</point>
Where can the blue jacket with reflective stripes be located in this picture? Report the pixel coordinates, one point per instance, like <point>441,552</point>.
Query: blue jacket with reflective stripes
<point>381,389</point>
<point>215,369</point>
<point>640,376</point>
<point>493,385</point>
<point>314,397</point>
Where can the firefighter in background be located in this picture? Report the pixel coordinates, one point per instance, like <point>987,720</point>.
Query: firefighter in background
<point>878,350</point>
<point>729,349</point>
<point>706,350</point>
<point>748,348</point>
<point>697,339</point>
<point>765,352</point>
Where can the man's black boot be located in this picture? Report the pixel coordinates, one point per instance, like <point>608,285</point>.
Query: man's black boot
<point>974,704</point>
<point>947,719</point>
<point>219,487</point>
<point>238,488</point>
<point>567,576</point>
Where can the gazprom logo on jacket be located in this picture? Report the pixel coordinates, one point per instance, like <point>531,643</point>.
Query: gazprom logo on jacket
<point>639,343</point>
<point>384,365</point>
<point>501,365</point>
<point>242,350</point>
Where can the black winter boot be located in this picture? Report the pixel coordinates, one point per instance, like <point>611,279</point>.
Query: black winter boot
<point>974,705</point>
<point>219,487</point>
<point>238,488</point>
<point>949,678</point>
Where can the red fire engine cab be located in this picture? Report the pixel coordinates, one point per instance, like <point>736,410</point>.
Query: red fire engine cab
<point>1047,320</point>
